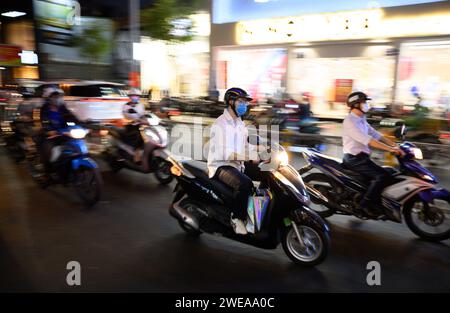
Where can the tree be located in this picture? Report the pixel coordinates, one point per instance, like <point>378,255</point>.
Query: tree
<point>92,43</point>
<point>165,19</point>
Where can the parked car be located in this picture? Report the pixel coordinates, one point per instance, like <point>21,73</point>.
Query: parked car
<point>88,100</point>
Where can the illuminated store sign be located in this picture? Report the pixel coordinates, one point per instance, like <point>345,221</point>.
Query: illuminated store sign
<point>366,24</point>
<point>56,19</point>
<point>228,11</point>
<point>28,57</point>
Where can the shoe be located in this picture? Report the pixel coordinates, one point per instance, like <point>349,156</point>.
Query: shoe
<point>372,211</point>
<point>238,226</point>
<point>250,227</point>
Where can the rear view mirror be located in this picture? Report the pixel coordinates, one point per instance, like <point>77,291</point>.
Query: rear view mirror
<point>400,132</point>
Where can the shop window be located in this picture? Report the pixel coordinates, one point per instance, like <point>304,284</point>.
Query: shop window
<point>424,75</point>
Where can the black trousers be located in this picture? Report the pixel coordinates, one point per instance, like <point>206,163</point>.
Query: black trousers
<point>133,136</point>
<point>241,183</point>
<point>379,177</point>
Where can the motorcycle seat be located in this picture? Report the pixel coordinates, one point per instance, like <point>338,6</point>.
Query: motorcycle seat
<point>343,169</point>
<point>355,175</point>
<point>391,170</point>
<point>200,170</point>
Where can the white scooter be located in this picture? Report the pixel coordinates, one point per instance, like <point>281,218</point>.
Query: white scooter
<point>119,154</point>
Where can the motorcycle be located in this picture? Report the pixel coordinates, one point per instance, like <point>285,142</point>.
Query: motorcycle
<point>70,164</point>
<point>202,205</point>
<point>410,192</point>
<point>20,139</point>
<point>120,155</point>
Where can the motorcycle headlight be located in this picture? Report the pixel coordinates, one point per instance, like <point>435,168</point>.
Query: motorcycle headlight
<point>283,158</point>
<point>417,153</point>
<point>78,133</point>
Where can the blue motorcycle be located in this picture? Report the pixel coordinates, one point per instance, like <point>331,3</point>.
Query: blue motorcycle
<point>70,164</point>
<point>411,192</point>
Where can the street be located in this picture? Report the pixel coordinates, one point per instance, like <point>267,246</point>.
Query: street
<point>129,243</point>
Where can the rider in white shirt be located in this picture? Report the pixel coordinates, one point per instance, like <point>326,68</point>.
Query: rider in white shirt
<point>228,150</point>
<point>358,137</point>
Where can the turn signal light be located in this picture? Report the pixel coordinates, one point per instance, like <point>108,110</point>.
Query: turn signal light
<point>175,171</point>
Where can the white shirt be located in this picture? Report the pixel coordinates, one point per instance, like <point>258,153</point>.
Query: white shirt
<point>357,134</point>
<point>227,136</point>
<point>138,107</point>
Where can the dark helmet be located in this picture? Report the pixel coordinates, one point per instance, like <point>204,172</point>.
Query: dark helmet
<point>234,93</point>
<point>355,98</point>
<point>51,91</point>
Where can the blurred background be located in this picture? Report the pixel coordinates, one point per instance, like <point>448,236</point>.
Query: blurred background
<point>299,59</point>
<point>184,54</point>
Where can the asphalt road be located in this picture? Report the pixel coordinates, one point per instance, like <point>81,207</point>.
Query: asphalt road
<point>129,243</point>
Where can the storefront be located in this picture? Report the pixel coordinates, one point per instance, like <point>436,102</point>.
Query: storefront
<point>424,71</point>
<point>329,73</point>
<point>177,69</point>
<point>386,51</point>
<point>18,59</point>
<point>261,71</point>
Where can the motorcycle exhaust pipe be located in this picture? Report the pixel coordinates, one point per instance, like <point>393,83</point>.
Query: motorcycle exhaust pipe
<point>184,216</point>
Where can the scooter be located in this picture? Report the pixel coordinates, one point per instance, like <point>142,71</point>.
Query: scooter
<point>120,155</point>
<point>70,164</point>
<point>411,192</point>
<point>202,205</point>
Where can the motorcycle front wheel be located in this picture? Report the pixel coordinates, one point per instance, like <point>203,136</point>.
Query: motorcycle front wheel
<point>88,185</point>
<point>162,171</point>
<point>428,221</point>
<point>311,250</point>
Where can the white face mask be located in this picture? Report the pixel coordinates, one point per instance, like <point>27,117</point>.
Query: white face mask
<point>365,107</point>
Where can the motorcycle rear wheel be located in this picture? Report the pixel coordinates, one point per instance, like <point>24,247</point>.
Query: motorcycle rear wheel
<point>36,170</point>
<point>192,232</point>
<point>327,184</point>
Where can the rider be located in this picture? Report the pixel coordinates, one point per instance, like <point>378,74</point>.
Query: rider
<point>358,136</point>
<point>304,111</point>
<point>54,115</point>
<point>227,153</point>
<point>133,111</point>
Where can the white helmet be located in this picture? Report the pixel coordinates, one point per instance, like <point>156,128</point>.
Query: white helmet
<point>134,92</point>
<point>49,91</point>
